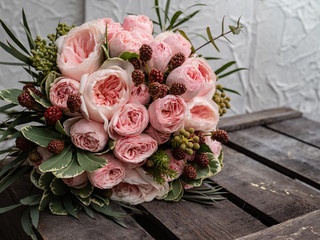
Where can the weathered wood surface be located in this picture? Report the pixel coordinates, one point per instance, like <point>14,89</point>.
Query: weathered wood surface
<point>189,220</point>
<point>257,118</point>
<point>298,157</point>
<point>271,192</point>
<point>306,227</point>
<point>303,129</point>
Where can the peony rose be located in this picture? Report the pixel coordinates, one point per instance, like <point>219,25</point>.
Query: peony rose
<point>130,120</point>
<point>79,52</point>
<point>106,90</point>
<point>161,55</point>
<point>176,165</point>
<point>167,114</point>
<point>78,182</point>
<point>140,94</point>
<point>202,115</point>
<point>108,176</point>
<point>139,23</point>
<point>124,41</point>
<point>160,137</point>
<point>44,154</point>
<point>178,44</point>
<point>112,27</point>
<point>135,150</point>
<point>142,37</point>
<point>138,187</point>
<point>209,77</point>
<point>214,145</point>
<point>89,135</point>
<point>190,76</point>
<point>60,91</point>
<point>162,36</point>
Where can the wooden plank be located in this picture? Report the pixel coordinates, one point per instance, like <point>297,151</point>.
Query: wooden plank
<point>302,160</point>
<point>66,227</point>
<point>196,221</point>
<point>271,192</point>
<point>257,118</point>
<point>306,227</point>
<point>300,128</point>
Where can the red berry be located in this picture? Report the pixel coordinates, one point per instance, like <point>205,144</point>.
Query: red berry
<point>178,88</point>
<point>220,136</point>
<point>28,86</point>
<point>163,91</point>
<point>178,153</point>
<point>24,144</point>
<point>135,62</point>
<point>176,61</point>
<point>154,89</point>
<point>145,52</point>
<point>52,115</point>
<point>190,172</point>
<point>55,146</point>
<point>156,76</point>
<point>74,103</point>
<point>26,100</point>
<point>34,156</point>
<point>138,77</point>
<point>201,159</point>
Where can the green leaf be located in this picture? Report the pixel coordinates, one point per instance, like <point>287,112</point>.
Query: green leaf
<point>15,53</point>
<point>9,208</point>
<point>58,187</point>
<point>187,18</point>
<point>56,207</point>
<point>10,165</point>
<point>204,148</point>
<point>105,50</point>
<point>211,39</point>
<point>166,12</point>
<point>157,8</point>
<point>68,205</point>
<point>107,44</point>
<point>106,210</point>
<point>186,37</point>
<point>43,102</point>
<point>231,90</point>
<point>222,26</point>
<point>32,73</point>
<point>214,164</point>
<point>46,198</point>
<point>60,128</point>
<point>13,64</point>
<point>14,177</point>
<point>49,79</point>
<point>45,180</point>
<point>174,19</point>
<point>234,30</point>
<point>224,67</point>
<point>83,192</point>
<point>72,170</point>
<point>26,222</point>
<point>110,146</point>
<point>176,190</point>
<point>38,135</point>
<point>89,162</point>
<point>11,95</point>
<point>6,107</point>
<point>84,201</point>
<point>89,212</point>
<point>34,178</point>
<point>57,162</point>
<point>27,30</point>
<point>128,55</point>
<point>31,200</point>
<point>13,37</point>
<point>233,71</point>
<point>34,214</point>
<point>97,201</point>
<point>220,158</point>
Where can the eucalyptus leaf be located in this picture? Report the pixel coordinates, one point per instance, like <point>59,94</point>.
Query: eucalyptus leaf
<point>157,8</point>
<point>9,208</point>
<point>13,178</point>
<point>233,71</point>
<point>89,212</point>
<point>34,214</point>
<point>27,30</point>
<point>231,90</point>
<point>186,37</point>
<point>57,162</point>
<point>13,64</point>
<point>11,95</point>
<point>38,135</point>
<point>211,39</point>
<point>89,162</point>
<point>68,205</point>
<point>30,200</point>
<point>6,107</point>
<point>10,165</point>
<point>26,222</point>
<point>186,18</point>
<point>15,53</point>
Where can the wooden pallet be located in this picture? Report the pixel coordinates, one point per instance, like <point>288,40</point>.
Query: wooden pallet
<point>271,171</point>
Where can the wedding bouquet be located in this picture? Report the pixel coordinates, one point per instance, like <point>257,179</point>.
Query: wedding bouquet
<point>114,114</point>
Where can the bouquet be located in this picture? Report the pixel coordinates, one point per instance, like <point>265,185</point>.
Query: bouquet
<point>114,114</point>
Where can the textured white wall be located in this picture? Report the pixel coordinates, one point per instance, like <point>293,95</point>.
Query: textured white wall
<point>281,48</point>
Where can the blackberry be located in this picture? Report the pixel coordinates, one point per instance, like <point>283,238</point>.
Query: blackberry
<point>190,172</point>
<point>74,103</point>
<point>201,159</point>
<point>26,100</point>
<point>135,62</point>
<point>178,153</point>
<point>178,88</point>
<point>220,136</point>
<point>156,76</point>
<point>145,52</point>
<point>176,61</point>
<point>138,77</point>
<point>55,146</point>
<point>52,115</point>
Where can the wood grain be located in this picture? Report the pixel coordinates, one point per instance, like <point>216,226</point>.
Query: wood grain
<point>286,152</point>
<point>300,128</point>
<point>274,194</point>
<point>257,118</point>
<point>306,227</point>
<point>196,221</point>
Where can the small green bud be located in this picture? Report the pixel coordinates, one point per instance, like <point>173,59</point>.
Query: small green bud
<point>191,130</point>
<point>223,94</point>
<point>189,151</point>
<point>196,139</point>
<point>190,145</point>
<point>182,131</point>
<point>186,134</point>
<point>228,105</point>
<point>183,146</point>
<point>228,98</point>
<point>216,100</point>
<point>224,111</point>
<point>176,138</point>
<point>223,105</point>
<point>219,86</point>
<point>150,163</point>
<point>196,146</point>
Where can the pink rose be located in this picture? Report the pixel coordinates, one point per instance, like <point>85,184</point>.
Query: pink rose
<point>162,36</point>
<point>44,154</point>
<point>112,27</point>
<point>178,44</point>
<point>138,187</point>
<point>202,115</point>
<point>140,94</point>
<point>167,114</point>
<point>138,23</point>
<point>78,182</point>
<point>161,55</point>
<point>124,42</point>
<point>214,145</point>
<point>209,77</point>
<point>60,91</point>
<point>130,120</point>
<point>160,137</point>
<point>190,76</point>
<point>79,52</point>
<point>135,150</point>
<point>106,90</point>
<point>176,165</point>
<point>108,176</point>
<point>89,135</point>
<point>142,37</point>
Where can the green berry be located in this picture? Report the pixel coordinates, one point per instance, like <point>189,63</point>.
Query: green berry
<point>228,98</point>
<point>228,105</point>
<point>176,138</point>
<point>223,94</point>
<point>196,146</point>
<point>150,163</point>
<point>183,146</point>
<point>186,134</point>
<point>223,105</point>
<point>182,131</point>
<point>189,151</point>
<point>219,86</point>
<point>190,145</point>
<point>191,130</point>
<point>224,111</point>
<point>196,139</point>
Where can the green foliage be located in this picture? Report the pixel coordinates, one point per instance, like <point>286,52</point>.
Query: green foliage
<point>176,192</point>
<point>89,162</point>
<point>57,162</point>
<point>39,135</point>
<point>73,169</point>
<point>161,167</point>
<point>128,55</point>
<point>10,95</point>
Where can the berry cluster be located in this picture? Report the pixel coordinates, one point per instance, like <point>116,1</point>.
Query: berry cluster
<point>25,99</point>
<point>186,141</point>
<point>221,100</point>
